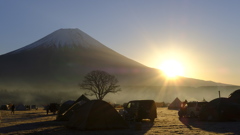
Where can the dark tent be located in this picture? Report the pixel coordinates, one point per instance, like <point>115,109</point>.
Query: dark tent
<point>96,115</point>
<point>20,107</point>
<point>220,109</point>
<point>176,104</point>
<point>67,112</point>
<point>235,96</point>
<point>4,107</point>
<point>204,100</point>
<point>63,108</point>
<point>82,98</point>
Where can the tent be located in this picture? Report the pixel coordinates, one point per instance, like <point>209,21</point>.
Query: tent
<point>220,109</point>
<point>235,96</point>
<point>4,107</point>
<point>96,115</point>
<point>63,108</point>
<point>176,104</point>
<point>204,100</point>
<point>20,107</point>
<point>82,98</point>
<point>67,110</point>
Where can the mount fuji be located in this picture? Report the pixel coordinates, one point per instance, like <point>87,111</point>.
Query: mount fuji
<point>69,38</point>
<point>64,57</point>
<point>59,61</point>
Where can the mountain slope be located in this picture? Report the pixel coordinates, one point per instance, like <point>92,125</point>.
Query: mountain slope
<point>64,55</point>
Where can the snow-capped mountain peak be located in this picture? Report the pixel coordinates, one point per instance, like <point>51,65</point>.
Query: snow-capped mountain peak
<point>64,38</point>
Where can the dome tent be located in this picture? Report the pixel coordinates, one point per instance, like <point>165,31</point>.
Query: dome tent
<point>63,108</point>
<point>220,109</point>
<point>96,115</point>
<point>20,107</point>
<point>69,106</point>
<point>235,96</point>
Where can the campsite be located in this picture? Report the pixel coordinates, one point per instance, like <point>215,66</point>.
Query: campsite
<point>92,117</point>
<point>85,116</point>
<point>37,122</point>
<point>119,67</point>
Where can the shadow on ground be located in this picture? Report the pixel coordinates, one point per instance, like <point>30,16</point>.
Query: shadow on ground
<point>28,126</point>
<point>217,127</point>
<point>57,127</point>
<point>27,116</point>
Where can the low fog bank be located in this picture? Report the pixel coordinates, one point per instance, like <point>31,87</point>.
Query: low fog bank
<point>41,97</point>
<point>168,94</point>
<point>157,93</point>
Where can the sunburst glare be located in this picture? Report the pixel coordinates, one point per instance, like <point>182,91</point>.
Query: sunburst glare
<point>172,68</point>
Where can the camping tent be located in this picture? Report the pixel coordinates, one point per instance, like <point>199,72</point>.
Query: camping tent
<point>4,107</point>
<point>82,98</point>
<point>176,104</point>
<point>63,108</point>
<point>220,109</point>
<point>235,96</point>
<point>204,100</point>
<point>96,115</point>
<point>67,112</point>
<point>20,107</point>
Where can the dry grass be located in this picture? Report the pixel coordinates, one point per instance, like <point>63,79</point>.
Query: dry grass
<point>37,122</point>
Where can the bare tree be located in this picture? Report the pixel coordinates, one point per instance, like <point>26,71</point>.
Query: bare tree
<point>100,83</point>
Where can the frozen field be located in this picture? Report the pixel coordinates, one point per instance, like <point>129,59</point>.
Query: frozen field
<point>37,122</point>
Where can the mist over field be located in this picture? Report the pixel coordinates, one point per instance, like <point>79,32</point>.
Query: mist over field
<point>157,93</point>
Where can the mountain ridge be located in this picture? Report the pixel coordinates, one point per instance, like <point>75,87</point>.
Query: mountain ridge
<point>61,38</point>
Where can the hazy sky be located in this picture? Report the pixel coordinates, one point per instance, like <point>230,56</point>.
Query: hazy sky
<point>202,35</point>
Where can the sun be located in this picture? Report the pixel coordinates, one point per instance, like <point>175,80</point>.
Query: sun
<point>172,68</point>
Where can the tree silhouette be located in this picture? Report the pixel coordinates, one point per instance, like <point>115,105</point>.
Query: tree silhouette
<point>99,83</point>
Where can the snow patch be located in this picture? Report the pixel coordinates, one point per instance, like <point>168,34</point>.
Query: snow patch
<point>70,38</point>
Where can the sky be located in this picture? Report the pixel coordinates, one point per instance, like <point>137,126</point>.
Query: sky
<point>201,35</point>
